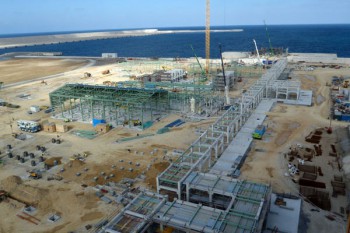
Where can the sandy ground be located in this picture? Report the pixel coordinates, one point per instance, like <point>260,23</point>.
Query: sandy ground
<point>289,125</point>
<point>16,70</point>
<point>77,205</point>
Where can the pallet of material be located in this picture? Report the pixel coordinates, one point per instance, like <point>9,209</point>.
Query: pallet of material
<point>332,154</point>
<point>318,132</point>
<point>318,150</point>
<point>307,168</point>
<point>338,178</point>
<point>311,183</point>
<point>309,176</point>
<point>313,139</point>
<point>317,197</point>
<point>338,184</point>
<point>339,191</point>
<point>308,154</point>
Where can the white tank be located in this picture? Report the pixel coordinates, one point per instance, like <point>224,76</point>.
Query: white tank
<point>193,105</point>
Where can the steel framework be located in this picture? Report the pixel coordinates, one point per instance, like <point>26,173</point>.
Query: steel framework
<point>131,102</point>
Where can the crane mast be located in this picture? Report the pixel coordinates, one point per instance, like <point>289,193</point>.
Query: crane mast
<point>257,51</point>
<point>207,37</point>
<point>268,37</point>
<point>203,75</point>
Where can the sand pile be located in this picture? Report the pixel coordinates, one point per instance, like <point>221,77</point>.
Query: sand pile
<point>22,192</point>
<point>11,182</point>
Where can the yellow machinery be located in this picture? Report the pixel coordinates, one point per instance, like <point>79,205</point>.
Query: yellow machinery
<point>34,175</point>
<point>133,122</point>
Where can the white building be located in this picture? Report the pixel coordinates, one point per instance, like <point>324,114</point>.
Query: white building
<point>174,75</point>
<point>109,55</point>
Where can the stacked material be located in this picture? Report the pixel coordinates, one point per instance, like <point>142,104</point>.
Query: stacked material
<point>49,127</point>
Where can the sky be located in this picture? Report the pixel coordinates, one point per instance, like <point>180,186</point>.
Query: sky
<point>28,16</point>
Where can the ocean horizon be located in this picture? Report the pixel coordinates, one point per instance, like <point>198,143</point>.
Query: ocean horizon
<point>304,38</point>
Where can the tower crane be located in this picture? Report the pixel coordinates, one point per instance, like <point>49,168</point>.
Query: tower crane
<point>207,37</point>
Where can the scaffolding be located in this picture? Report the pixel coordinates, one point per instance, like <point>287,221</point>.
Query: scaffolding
<point>115,105</point>
<point>137,215</point>
<point>245,211</point>
<point>203,153</point>
<point>206,202</point>
<point>246,71</point>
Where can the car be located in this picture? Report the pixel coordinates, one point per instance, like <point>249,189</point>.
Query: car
<point>48,110</point>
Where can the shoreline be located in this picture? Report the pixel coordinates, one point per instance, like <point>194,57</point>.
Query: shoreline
<point>13,42</point>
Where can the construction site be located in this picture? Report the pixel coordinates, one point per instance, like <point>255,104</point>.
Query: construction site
<point>244,143</point>
<point>137,155</point>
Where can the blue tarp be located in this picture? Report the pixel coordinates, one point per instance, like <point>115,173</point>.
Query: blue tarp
<point>97,121</point>
<point>176,123</point>
<point>345,117</point>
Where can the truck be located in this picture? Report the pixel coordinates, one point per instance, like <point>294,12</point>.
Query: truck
<point>28,126</point>
<point>259,132</point>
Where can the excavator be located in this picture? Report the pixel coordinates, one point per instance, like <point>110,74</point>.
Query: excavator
<point>35,175</point>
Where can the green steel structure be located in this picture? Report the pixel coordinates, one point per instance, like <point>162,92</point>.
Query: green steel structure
<point>130,103</point>
<point>246,71</point>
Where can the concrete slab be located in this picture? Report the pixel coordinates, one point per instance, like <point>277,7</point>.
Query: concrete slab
<point>284,218</point>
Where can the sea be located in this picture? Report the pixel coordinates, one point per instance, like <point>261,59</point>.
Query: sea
<point>331,38</point>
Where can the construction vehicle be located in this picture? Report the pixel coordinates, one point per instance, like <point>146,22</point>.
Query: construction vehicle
<point>29,126</point>
<point>166,68</point>
<point>79,156</point>
<point>203,77</point>
<point>35,175</point>
<point>133,122</point>
<point>106,72</point>
<point>57,141</point>
<point>87,75</point>
<point>259,132</point>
